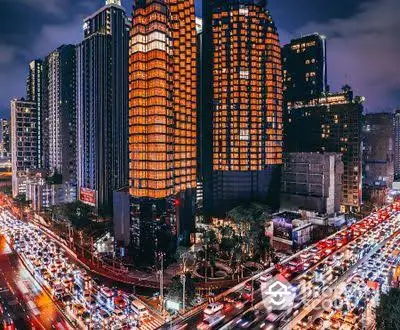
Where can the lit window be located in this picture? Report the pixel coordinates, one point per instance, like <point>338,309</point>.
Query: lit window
<point>244,135</point>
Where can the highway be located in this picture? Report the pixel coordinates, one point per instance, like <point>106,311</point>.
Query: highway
<point>356,292</point>
<point>23,300</point>
<point>349,246</point>
<point>59,281</point>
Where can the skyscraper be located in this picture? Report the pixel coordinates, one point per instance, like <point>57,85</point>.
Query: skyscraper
<point>162,119</point>
<point>377,137</point>
<point>59,99</point>
<point>304,68</point>
<point>102,106</point>
<point>34,93</point>
<point>5,147</point>
<point>24,142</point>
<point>396,141</point>
<point>333,124</point>
<point>242,104</point>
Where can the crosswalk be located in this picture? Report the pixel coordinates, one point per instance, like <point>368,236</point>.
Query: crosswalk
<point>151,324</point>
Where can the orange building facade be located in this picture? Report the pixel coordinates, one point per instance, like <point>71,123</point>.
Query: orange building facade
<point>162,114</point>
<point>245,75</point>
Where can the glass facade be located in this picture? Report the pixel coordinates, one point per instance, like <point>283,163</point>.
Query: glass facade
<point>162,115</point>
<point>102,106</point>
<point>304,68</point>
<point>162,99</point>
<point>246,103</point>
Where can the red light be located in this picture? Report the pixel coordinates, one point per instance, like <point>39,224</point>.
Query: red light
<point>177,202</point>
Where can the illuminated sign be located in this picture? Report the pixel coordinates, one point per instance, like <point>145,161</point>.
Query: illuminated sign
<point>87,196</point>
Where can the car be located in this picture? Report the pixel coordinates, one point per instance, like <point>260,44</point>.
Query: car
<point>240,304</point>
<point>327,314</point>
<point>265,278</point>
<point>318,323</point>
<point>248,319</point>
<point>211,322</point>
<point>232,297</point>
<point>213,308</point>
<point>8,324</point>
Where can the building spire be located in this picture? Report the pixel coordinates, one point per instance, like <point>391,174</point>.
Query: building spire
<point>113,2</point>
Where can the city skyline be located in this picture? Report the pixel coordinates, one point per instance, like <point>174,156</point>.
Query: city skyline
<point>352,28</point>
<point>163,169</point>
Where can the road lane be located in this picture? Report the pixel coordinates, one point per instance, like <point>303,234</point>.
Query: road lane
<point>31,307</point>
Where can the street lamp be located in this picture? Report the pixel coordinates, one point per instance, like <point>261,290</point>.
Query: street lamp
<point>183,281</point>
<point>184,259</point>
<point>161,272</point>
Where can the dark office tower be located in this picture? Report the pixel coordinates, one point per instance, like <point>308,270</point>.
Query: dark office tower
<point>242,104</point>
<point>377,138</point>
<point>59,102</point>
<point>331,123</point>
<point>34,93</point>
<point>162,118</point>
<point>304,68</point>
<point>102,106</point>
<point>396,147</point>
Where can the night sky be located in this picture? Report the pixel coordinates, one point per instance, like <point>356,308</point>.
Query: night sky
<point>363,40</point>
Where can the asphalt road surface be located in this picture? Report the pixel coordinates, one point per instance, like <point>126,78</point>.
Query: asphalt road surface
<point>23,300</point>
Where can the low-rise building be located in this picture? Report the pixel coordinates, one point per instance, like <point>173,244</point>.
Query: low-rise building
<point>312,181</point>
<point>43,195</point>
<point>290,231</point>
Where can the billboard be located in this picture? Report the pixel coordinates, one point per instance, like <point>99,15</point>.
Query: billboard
<point>283,229</point>
<point>87,196</point>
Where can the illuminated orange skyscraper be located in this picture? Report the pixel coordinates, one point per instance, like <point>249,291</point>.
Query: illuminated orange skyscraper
<point>162,117</point>
<point>242,104</point>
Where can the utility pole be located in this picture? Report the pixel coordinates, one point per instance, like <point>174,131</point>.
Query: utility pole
<point>162,282</point>
<point>183,280</point>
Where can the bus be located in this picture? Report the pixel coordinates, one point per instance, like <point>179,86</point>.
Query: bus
<point>139,309</point>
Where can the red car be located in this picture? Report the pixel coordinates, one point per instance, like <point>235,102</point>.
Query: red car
<point>8,324</point>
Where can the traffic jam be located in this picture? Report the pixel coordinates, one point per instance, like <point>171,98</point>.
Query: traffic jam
<point>84,301</point>
<point>309,272</point>
<point>362,288</point>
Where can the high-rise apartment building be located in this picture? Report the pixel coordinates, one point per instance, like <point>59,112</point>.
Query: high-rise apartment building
<point>5,146</point>
<point>377,138</point>
<point>59,101</point>
<point>396,141</point>
<point>24,142</point>
<point>162,119</point>
<point>34,93</point>
<point>102,106</point>
<point>242,104</point>
<point>331,123</point>
<point>304,68</point>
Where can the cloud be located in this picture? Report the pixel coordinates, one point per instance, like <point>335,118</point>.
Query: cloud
<point>31,29</point>
<point>7,54</point>
<point>53,36</point>
<point>364,51</point>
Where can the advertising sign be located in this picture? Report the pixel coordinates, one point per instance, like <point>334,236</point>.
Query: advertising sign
<point>87,196</point>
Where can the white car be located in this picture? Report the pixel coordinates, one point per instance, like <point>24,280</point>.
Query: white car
<point>210,322</point>
<point>265,278</point>
<point>213,308</point>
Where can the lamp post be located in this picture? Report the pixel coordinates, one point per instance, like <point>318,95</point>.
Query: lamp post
<point>183,281</point>
<point>161,272</point>
<point>184,259</point>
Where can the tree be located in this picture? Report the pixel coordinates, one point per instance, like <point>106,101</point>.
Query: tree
<point>185,257</point>
<point>77,213</point>
<point>388,311</point>
<point>6,190</point>
<point>175,290</point>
